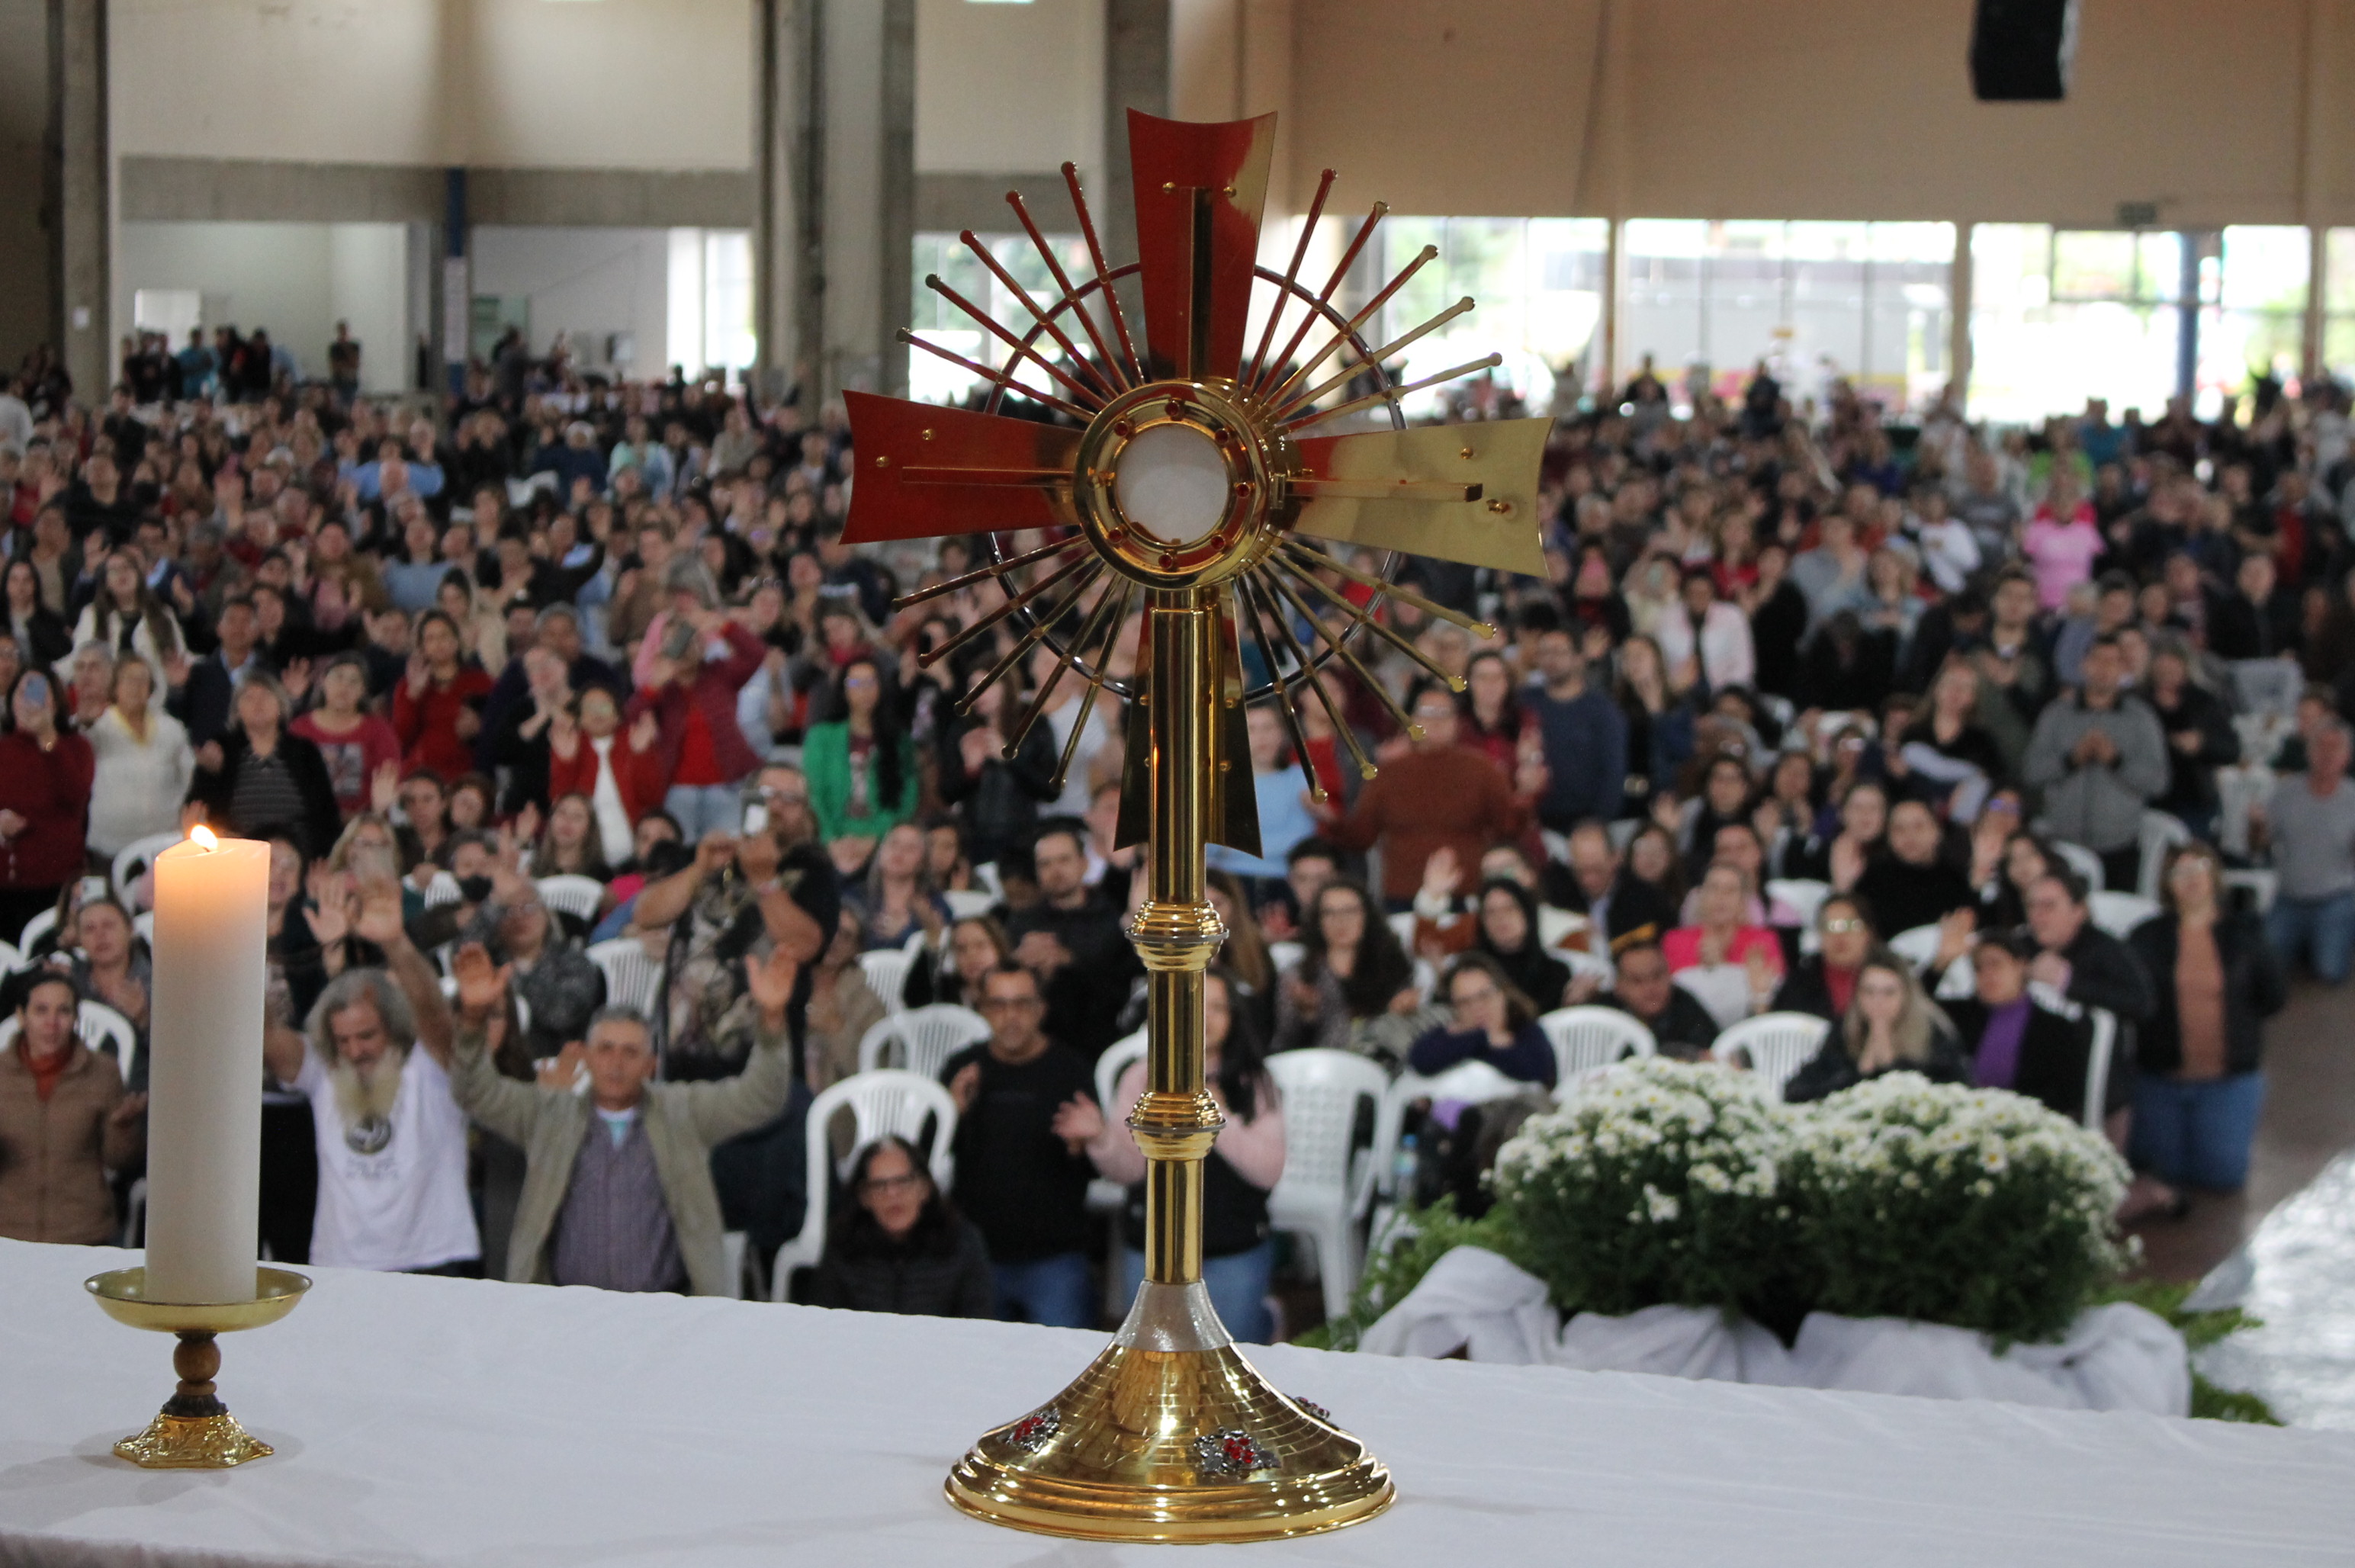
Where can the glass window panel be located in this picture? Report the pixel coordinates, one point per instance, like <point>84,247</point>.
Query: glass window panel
<point>2159,266</point>
<point>2266,268</point>
<point>2338,271</point>
<point>2092,264</point>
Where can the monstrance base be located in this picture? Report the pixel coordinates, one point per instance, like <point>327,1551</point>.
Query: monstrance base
<point>1171,1436</point>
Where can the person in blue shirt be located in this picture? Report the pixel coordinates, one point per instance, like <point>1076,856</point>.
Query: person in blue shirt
<point>1492,1022</point>
<point>1585,735</point>
<point>1279,783</point>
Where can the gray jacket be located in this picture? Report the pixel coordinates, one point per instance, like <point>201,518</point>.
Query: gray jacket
<point>2099,807</point>
<point>683,1122</point>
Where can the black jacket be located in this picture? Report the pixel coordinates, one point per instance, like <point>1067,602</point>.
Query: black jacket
<point>1804,990</point>
<point>2052,1052</point>
<point>1832,1069</point>
<point>1000,804</point>
<point>322,820</point>
<point>1685,1030</point>
<point>2191,779</point>
<point>940,1270</point>
<point>1904,896</point>
<point>2103,973</point>
<point>2253,991</point>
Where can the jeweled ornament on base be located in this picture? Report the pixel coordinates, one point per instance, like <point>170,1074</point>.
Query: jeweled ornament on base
<point>1190,491</point>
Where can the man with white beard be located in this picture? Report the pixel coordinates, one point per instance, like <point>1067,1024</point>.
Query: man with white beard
<point>374,1061</point>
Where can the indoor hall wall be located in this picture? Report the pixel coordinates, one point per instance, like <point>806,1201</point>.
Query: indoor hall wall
<point>1833,108</point>
<point>1010,90</point>
<point>586,282</point>
<point>625,84</point>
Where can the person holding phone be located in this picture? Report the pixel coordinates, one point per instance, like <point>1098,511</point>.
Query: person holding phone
<point>45,779</point>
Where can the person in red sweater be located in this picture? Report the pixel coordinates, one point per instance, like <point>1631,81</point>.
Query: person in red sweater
<point>362,753</point>
<point>44,776</point>
<point>1439,793</point>
<point>436,711</point>
<point>620,776</point>
<point>691,692</point>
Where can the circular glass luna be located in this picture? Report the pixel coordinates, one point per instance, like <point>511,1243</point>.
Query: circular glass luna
<point>1172,483</point>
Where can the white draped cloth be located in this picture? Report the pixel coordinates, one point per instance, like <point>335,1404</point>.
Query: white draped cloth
<point>2117,1357</point>
<point>487,1425</point>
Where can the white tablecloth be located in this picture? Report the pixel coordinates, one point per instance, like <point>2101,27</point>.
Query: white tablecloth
<point>448,1422</point>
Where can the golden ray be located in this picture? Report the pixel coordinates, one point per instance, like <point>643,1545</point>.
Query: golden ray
<point>1325,296</point>
<point>1040,623</point>
<point>1290,278</point>
<point>995,377</point>
<point>1245,611</point>
<point>1342,377</point>
<point>1063,282</point>
<point>989,323</point>
<point>1019,601</point>
<point>1357,614</point>
<point>1103,275</point>
<point>1308,673</point>
<point>1422,258</point>
<point>1340,651</point>
<point>1104,390</point>
<point>1481,629</point>
<point>1087,703</point>
<point>1392,394</point>
<point>996,569</point>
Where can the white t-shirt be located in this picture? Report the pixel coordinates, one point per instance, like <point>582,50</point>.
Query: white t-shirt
<point>392,1202</point>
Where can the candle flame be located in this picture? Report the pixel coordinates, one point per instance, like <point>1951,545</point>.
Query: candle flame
<point>203,837</point>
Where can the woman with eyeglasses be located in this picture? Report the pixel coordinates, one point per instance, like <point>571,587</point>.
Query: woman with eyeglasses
<point>1888,1026</point>
<point>1823,983</point>
<point>901,1246</point>
<point>1492,1020</point>
<point>1353,988</point>
<point>897,900</point>
<point>1507,933</point>
<point>1242,1168</point>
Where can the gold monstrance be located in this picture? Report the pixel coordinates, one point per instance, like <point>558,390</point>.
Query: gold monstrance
<point>1190,483</point>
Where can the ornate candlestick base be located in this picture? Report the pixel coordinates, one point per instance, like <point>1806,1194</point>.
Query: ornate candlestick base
<point>1170,1434</point>
<point>195,1431</point>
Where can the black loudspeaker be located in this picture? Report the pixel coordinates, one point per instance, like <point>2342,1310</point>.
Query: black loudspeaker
<point>2021,50</point>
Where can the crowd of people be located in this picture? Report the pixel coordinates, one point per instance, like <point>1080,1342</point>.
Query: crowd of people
<point>1945,677</point>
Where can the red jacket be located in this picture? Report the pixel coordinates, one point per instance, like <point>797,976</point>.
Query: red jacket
<point>50,790</point>
<point>427,725</point>
<point>713,692</point>
<point>638,776</point>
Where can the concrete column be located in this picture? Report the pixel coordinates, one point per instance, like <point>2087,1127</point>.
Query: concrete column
<point>836,194</point>
<point>1958,318</point>
<point>1136,76</point>
<point>79,189</point>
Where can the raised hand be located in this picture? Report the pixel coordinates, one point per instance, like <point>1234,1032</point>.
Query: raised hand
<point>379,919</point>
<point>482,984</point>
<point>771,984</point>
<point>1078,1122</point>
<point>563,735</point>
<point>384,787</point>
<point>329,916</point>
<point>644,731</point>
<point>296,678</point>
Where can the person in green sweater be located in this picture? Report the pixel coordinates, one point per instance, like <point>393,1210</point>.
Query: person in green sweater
<point>861,768</point>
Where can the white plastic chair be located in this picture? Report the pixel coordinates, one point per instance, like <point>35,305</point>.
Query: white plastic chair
<point>2267,686</point>
<point>631,979</point>
<point>1722,988</point>
<point>442,891</point>
<point>1285,957</point>
<point>1473,1082</point>
<point>1918,947</point>
<point>44,921</point>
<point>926,1037</point>
<point>1104,1195</point>
<point>2119,914</point>
<point>2083,861</point>
<point>10,959</point>
<point>2098,1066</point>
<point>887,974</point>
<point>1585,1038</point>
<point>143,922</point>
<point>969,903</point>
<point>881,1104</point>
<point>1778,1044</point>
<point>1403,925</point>
<point>579,897</point>
<point>1594,964</point>
<point>2262,884</point>
<point>986,875</point>
<point>1804,895</point>
<point>2161,833</point>
<point>134,858</point>
<point>1324,1187</point>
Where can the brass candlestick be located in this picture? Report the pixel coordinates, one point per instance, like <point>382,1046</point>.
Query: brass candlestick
<point>195,1431</point>
<point>1190,488</point>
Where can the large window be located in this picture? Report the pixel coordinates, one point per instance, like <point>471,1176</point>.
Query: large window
<point>932,379</point>
<point>2059,315</point>
<point>2339,303</point>
<point>1865,303</point>
<point>1537,288</point>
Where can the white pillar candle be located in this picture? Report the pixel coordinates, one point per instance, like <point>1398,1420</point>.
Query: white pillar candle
<point>204,1074</point>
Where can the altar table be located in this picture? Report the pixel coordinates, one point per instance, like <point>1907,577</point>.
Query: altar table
<point>433,1421</point>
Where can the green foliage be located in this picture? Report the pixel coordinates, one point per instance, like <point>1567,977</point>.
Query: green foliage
<point>2199,1330</point>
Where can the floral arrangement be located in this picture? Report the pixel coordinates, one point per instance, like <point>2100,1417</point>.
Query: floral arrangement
<point>1658,1181</point>
<point>1969,1206</point>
